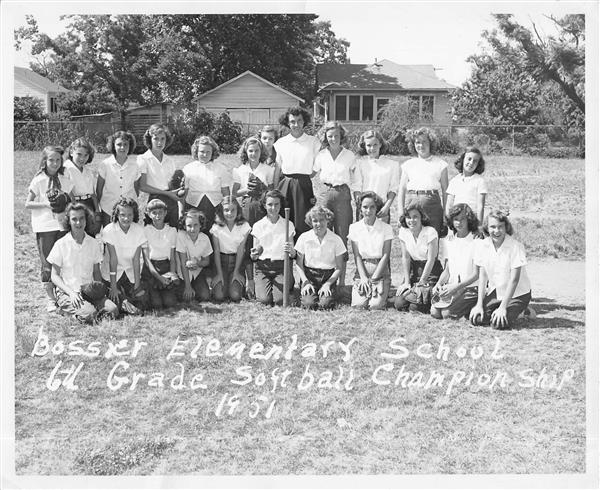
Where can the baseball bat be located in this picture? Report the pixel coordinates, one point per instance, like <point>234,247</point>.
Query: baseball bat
<point>286,262</point>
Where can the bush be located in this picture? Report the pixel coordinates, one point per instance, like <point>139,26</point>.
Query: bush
<point>227,133</point>
<point>447,145</point>
<point>28,109</point>
<point>190,123</point>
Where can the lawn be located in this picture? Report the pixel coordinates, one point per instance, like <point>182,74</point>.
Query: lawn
<point>391,393</point>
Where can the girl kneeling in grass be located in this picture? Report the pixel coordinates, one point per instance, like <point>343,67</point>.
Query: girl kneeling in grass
<point>371,240</point>
<point>500,261</point>
<point>455,285</point>
<point>320,260</point>
<point>269,250</point>
<point>194,251</point>
<point>420,265</point>
<point>160,266</point>
<point>229,233</point>
<point>124,239</point>
<point>75,260</point>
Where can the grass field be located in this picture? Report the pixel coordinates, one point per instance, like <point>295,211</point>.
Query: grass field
<point>518,407</point>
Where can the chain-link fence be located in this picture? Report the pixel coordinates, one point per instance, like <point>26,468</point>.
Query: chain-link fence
<point>543,140</point>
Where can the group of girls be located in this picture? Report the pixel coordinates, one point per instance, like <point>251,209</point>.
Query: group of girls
<point>221,234</point>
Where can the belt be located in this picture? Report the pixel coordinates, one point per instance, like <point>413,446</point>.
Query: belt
<point>83,197</point>
<point>339,186</point>
<point>372,261</point>
<point>229,255</point>
<point>433,192</point>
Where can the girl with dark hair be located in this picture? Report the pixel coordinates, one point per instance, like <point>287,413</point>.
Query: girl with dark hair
<point>468,186</point>
<point>455,293</point>
<point>296,154</point>
<point>118,176</point>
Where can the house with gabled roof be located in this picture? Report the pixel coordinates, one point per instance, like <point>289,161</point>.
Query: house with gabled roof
<point>249,99</point>
<point>31,84</point>
<point>357,92</point>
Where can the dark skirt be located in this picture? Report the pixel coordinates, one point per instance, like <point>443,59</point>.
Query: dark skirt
<point>299,197</point>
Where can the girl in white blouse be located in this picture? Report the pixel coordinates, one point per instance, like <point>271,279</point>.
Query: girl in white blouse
<point>229,235</point>
<point>340,175</point>
<point>419,251</point>
<point>424,178</point>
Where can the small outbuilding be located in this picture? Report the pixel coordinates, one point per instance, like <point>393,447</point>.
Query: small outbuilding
<point>249,99</point>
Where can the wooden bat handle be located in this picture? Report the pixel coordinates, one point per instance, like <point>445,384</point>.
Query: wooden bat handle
<point>286,262</point>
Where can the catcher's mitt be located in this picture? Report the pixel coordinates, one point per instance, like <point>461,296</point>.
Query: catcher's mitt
<point>58,200</point>
<point>418,295</point>
<point>177,181</point>
<point>93,291</point>
<point>256,187</point>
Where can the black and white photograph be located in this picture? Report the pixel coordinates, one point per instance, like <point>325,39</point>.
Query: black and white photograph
<point>293,244</point>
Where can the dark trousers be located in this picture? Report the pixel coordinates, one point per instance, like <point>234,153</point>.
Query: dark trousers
<point>318,277</point>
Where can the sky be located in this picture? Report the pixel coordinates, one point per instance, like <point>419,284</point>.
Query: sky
<point>441,33</point>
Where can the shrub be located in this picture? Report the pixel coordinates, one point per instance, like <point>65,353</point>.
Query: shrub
<point>227,133</point>
<point>28,109</point>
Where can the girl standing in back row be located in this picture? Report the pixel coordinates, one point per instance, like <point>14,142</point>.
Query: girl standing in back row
<point>425,179</point>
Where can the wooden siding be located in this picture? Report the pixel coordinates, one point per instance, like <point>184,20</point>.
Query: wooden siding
<point>246,93</point>
<point>23,89</point>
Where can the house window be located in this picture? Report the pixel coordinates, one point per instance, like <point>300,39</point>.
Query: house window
<point>367,112</point>
<point>53,106</point>
<point>423,106</point>
<point>381,103</point>
<point>340,107</point>
<point>354,107</point>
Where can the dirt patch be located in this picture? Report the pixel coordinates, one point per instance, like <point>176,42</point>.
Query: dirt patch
<point>562,281</point>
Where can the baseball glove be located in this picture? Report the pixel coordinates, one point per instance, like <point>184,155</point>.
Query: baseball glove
<point>58,200</point>
<point>93,291</point>
<point>177,182</point>
<point>256,187</point>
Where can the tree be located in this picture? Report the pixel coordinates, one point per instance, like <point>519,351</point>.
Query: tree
<point>28,109</point>
<point>117,60</point>
<point>560,58</point>
<point>329,49</point>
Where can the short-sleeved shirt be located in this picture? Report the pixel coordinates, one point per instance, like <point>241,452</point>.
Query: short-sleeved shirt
<point>43,219</point>
<point>467,189</point>
<point>76,261</point>
<point>459,254</point>
<point>343,170</point>
<point>160,242</point>
<point>263,171</point>
<point>230,240</point>
<point>379,175</point>
<point>417,248</point>
<point>193,249</point>
<point>84,181</point>
<point>125,246</point>
<point>119,181</point>
<point>320,254</point>
<point>206,180</point>
<point>158,173</point>
<point>424,174</point>
<point>370,239</point>
<point>271,237</point>
<point>499,263</point>
<point>297,155</point>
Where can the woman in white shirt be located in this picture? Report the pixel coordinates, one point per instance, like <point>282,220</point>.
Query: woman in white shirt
<point>500,261</point>
<point>340,175</point>
<point>424,179</point>
<point>420,265</point>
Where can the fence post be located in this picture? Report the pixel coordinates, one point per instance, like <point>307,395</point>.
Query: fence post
<point>513,140</point>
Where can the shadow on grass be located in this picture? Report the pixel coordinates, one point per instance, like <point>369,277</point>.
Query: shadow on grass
<point>547,305</point>
<point>545,323</point>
